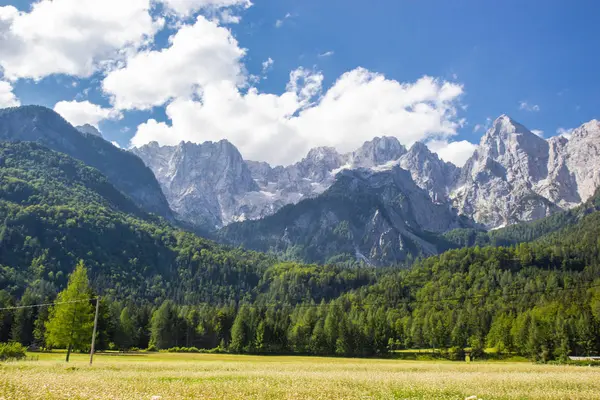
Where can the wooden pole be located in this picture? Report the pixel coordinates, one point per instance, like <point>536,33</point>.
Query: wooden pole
<point>95,328</point>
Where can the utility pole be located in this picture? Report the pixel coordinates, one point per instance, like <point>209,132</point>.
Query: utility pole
<point>95,328</point>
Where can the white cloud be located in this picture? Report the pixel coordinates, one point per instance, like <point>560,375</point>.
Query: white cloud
<point>280,129</point>
<point>523,105</point>
<point>267,65</point>
<point>74,37</point>
<point>327,54</point>
<point>188,7</point>
<point>455,152</point>
<point>566,133</point>
<point>84,112</point>
<point>279,23</point>
<point>198,55</point>
<point>227,17</point>
<point>538,132</point>
<point>7,97</point>
<point>306,85</point>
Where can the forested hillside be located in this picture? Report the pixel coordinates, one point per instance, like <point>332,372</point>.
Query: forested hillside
<point>162,287</point>
<point>124,170</point>
<point>56,211</point>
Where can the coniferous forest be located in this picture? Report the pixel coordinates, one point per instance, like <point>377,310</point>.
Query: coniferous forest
<point>531,289</point>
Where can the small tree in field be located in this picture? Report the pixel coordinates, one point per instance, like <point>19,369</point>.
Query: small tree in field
<point>70,324</point>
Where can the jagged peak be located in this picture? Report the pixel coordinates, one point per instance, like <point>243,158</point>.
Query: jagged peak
<point>590,128</point>
<point>383,141</point>
<point>89,130</point>
<point>419,147</point>
<point>504,126</point>
<point>320,153</point>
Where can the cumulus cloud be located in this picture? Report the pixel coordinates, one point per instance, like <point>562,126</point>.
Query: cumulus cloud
<point>199,54</point>
<point>7,97</point>
<point>227,17</point>
<point>188,7</point>
<point>523,105</point>
<point>84,112</point>
<point>455,152</point>
<point>73,37</point>
<point>280,129</point>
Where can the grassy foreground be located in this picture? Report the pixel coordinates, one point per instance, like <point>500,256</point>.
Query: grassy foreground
<point>196,376</point>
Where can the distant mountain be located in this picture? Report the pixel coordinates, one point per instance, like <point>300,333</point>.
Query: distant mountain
<point>516,176</point>
<point>89,130</point>
<point>378,217</point>
<point>211,183</point>
<point>202,182</point>
<point>123,169</point>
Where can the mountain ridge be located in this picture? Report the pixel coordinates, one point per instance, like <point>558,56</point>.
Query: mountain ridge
<point>43,125</point>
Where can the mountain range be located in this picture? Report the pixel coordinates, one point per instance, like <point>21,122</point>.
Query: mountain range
<point>513,176</point>
<point>382,203</point>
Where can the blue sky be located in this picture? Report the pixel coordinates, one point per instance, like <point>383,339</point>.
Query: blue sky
<point>536,61</point>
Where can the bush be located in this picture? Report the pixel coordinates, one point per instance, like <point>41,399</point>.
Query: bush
<point>152,348</point>
<point>12,351</point>
<point>183,350</point>
<point>456,353</point>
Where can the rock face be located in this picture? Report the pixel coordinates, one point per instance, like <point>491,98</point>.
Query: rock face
<point>123,169</point>
<point>202,182</point>
<point>378,217</point>
<point>430,173</point>
<point>516,176</point>
<point>211,184</point>
<point>88,129</point>
<point>513,176</point>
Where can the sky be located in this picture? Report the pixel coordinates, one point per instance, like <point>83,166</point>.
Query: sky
<point>278,77</point>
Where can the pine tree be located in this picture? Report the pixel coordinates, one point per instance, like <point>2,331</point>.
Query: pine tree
<point>164,326</point>
<point>126,332</point>
<point>70,323</point>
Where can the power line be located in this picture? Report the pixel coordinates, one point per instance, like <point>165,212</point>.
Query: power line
<point>47,304</point>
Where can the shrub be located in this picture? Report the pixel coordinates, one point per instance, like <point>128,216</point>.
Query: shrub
<point>12,351</point>
<point>456,353</point>
<point>184,350</point>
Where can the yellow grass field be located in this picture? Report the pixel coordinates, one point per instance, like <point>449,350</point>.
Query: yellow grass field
<point>203,376</point>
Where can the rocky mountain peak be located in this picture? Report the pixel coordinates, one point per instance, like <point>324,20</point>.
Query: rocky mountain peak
<point>505,128</point>
<point>378,151</point>
<point>428,171</point>
<point>590,129</point>
<point>421,149</point>
<point>323,153</point>
<point>89,130</point>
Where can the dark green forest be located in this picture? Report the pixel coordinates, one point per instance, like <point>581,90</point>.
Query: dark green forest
<point>532,289</point>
